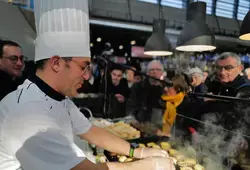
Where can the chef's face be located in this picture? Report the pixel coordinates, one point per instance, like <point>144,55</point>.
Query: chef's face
<point>12,61</point>
<point>116,76</point>
<point>73,75</point>
<point>228,69</point>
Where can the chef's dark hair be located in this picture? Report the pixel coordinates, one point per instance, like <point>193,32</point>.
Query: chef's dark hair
<point>40,64</point>
<point>6,43</point>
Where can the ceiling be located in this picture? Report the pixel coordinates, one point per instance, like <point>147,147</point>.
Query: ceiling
<point>121,36</point>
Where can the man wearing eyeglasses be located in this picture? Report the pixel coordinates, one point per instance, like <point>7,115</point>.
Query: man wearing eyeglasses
<point>228,79</point>
<point>11,66</point>
<point>145,98</point>
<point>38,121</point>
<point>228,82</point>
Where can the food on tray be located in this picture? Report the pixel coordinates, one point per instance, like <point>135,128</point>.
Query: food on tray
<point>186,168</point>
<point>186,162</point>
<point>156,146</point>
<point>179,156</point>
<point>183,162</point>
<point>151,144</point>
<point>198,167</point>
<point>128,160</point>
<point>141,145</point>
<point>123,130</point>
<point>165,145</point>
<point>190,151</point>
<point>122,158</point>
<point>173,152</point>
<point>101,159</point>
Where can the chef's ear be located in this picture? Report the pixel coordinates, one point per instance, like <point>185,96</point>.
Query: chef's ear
<point>55,63</point>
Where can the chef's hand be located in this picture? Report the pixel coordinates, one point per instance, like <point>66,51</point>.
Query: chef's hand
<point>150,152</point>
<point>157,163</point>
<point>120,98</point>
<point>163,163</point>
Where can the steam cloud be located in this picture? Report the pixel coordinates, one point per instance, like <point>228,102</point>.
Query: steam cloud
<point>216,147</point>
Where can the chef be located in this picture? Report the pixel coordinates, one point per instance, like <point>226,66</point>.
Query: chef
<point>38,120</point>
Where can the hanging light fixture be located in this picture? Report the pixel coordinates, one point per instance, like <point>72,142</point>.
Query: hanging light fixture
<point>158,43</point>
<point>196,35</point>
<point>245,28</point>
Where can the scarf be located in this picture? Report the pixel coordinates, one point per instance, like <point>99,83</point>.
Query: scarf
<point>170,113</point>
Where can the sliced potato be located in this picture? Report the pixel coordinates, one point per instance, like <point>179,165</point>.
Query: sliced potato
<point>141,145</point>
<point>150,144</point>
<point>165,145</point>
<point>173,152</point>
<point>198,167</point>
<point>128,160</point>
<point>179,156</point>
<point>122,158</point>
<point>186,162</point>
<point>101,159</point>
<point>156,146</point>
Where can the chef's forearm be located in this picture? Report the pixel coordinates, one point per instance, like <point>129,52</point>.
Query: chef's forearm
<point>106,140</point>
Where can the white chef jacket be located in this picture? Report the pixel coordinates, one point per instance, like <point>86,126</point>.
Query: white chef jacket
<point>37,125</point>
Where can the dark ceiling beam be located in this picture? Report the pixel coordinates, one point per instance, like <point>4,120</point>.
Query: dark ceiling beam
<point>236,7</point>
<point>214,7</point>
<point>160,9</point>
<point>236,10</point>
<point>129,9</point>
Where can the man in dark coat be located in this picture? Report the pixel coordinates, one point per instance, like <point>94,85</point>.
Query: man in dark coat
<point>11,66</point>
<point>145,97</point>
<point>117,90</point>
<point>227,75</point>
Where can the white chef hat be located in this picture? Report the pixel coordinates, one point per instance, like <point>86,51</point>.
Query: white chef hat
<point>62,28</point>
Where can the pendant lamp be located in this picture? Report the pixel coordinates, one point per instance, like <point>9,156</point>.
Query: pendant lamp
<point>196,35</point>
<point>245,28</point>
<point>158,43</point>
